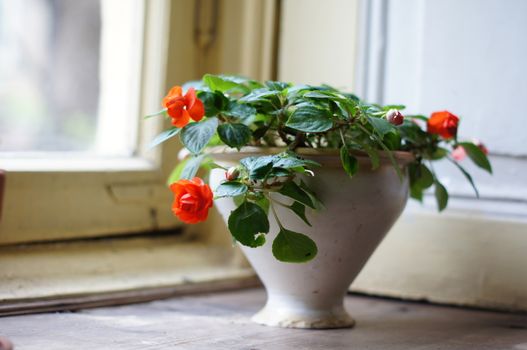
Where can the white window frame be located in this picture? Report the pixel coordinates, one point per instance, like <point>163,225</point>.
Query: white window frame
<point>52,198</point>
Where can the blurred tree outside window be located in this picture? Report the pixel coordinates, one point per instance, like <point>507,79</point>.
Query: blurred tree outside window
<point>49,74</point>
<point>70,75</point>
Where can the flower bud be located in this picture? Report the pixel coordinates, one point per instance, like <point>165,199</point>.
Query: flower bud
<point>232,173</point>
<point>393,116</point>
<point>459,153</point>
<point>481,146</point>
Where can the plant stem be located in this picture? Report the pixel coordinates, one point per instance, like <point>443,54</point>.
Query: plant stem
<point>464,172</point>
<point>276,216</point>
<point>283,136</point>
<point>299,138</point>
<point>342,138</point>
<point>386,149</point>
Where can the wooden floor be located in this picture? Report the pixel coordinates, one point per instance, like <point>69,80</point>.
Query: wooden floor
<point>221,321</point>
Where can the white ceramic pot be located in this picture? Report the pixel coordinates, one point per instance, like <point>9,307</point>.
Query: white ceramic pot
<point>358,214</point>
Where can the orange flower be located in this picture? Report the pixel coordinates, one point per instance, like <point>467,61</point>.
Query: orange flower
<point>192,200</point>
<point>181,108</point>
<point>443,123</point>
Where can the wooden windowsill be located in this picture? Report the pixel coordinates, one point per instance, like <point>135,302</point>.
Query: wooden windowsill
<point>65,276</point>
<point>221,321</point>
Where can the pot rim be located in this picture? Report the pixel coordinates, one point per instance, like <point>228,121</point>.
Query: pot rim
<point>317,154</point>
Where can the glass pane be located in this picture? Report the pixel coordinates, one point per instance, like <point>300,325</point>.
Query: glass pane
<point>53,93</point>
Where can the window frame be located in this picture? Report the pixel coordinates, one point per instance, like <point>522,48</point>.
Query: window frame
<point>119,267</point>
<point>46,205</point>
<point>44,197</point>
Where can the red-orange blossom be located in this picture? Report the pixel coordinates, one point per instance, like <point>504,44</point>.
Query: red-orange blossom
<point>192,200</point>
<point>181,108</point>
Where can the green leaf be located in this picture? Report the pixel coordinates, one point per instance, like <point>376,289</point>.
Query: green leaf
<point>292,190</point>
<point>209,164</point>
<point>223,83</point>
<point>277,172</point>
<point>248,223</point>
<point>476,154</point>
<point>230,189</point>
<point>293,247</point>
<point>416,192</point>
<point>260,132</point>
<point>300,210</point>
<point>191,167</point>
<point>392,140</point>
<point>162,112</point>
<point>381,126</point>
<point>387,151</point>
<point>186,169</point>
<point>441,195</point>
<point>412,132</point>
<point>309,118</point>
<point>234,135</point>
<point>238,200</point>
<point>242,111</point>
<point>196,136</point>
<point>165,135</point>
<point>312,195</point>
<point>420,179</point>
<point>349,162</point>
<point>258,167</point>
<point>213,102</point>
<point>263,202</point>
<point>420,117</point>
<point>318,94</point>
<point>289,159</point>
<point>259,96</point>
<point>373,154</point>
<point>277,85</point>
<point>398,107</point>
<point>352,97</point>
<point>420,176</point>
<point>436,154</point>
<point>342,103</point>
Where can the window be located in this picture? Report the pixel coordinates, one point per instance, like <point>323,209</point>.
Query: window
<point>119,187</point>
<point>50,195</point>
<point>69,76</point>
<point>75,79</point>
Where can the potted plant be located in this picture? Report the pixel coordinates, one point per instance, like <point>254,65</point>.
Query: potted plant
<point>309,179</point>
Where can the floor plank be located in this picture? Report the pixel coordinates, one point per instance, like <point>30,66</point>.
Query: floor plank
<point>221,321</point>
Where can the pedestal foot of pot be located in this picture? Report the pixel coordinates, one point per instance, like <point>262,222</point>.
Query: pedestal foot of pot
<point>311,319</point>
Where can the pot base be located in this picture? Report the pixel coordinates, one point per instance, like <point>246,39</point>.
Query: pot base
<point>307,319</point>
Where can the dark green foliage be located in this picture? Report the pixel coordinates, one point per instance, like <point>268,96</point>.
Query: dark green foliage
<point>242,112</point>
<point>293,247</point>
<point>248,223</point>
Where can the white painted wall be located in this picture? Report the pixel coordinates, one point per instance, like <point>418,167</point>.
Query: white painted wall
<point>468,57</point>
<point>318,42</point>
